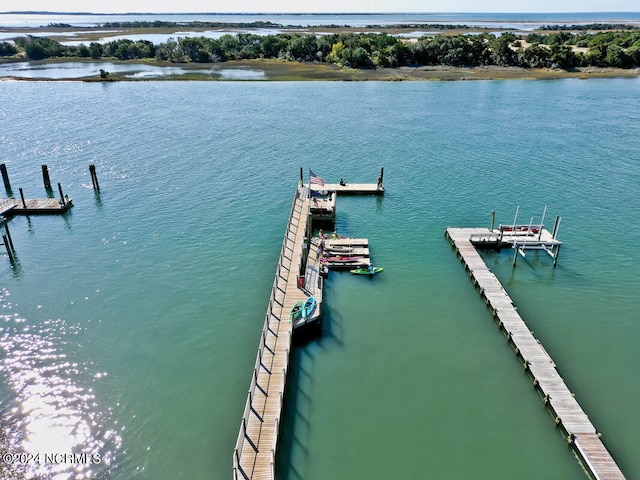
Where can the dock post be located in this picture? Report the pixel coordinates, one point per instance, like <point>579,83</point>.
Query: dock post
<point>493,219</point>
<point>515,255</point>
<point>24,204</point>
<point>45,177</point>
<point>555,257</point>
<point>6,244</point>
<point>301,177</point>
<point>555,226</point>
<point>381,174</point>
<point>6,229</point>
<point>61,194</point>
<point>5,177</point>
<point>94,177</point>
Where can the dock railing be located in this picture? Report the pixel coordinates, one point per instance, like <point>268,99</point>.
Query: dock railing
<point>274,310</point>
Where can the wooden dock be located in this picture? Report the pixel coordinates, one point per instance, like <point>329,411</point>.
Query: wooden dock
<point>350,188</point>
<point>581,433</point>
<point>41,206</point>
<point>255,450</point>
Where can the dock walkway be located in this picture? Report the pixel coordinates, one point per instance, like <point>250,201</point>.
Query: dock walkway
<point>254,453</point>
<point>568,414</point>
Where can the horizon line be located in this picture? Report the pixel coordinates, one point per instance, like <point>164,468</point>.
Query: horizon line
<point>40,12</point>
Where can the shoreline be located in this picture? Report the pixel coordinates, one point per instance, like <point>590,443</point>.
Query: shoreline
<point>278,70</point>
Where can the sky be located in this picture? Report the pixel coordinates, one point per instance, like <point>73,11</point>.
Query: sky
<point>296,6</point>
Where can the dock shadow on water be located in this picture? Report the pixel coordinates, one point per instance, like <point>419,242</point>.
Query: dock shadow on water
<point>51,424</point>
<point>294,450</point>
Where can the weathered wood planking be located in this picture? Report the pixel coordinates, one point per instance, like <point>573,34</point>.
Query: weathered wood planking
<point>257,457</point>
<point>569,415</point>
<point>11,206</point>
<point>350,188</point>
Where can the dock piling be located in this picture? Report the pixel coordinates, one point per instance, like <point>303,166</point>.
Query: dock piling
<point>555,257</point>
<point>6,244</point>
<point>94,177</point>
<point>61,195</point>
<point>301,176</point>
<point>556,224</point>
<point>493,220</point>
<point>6,229</point>
<point>5,176</point>
<point>24,204</point>
<point>45,177</point>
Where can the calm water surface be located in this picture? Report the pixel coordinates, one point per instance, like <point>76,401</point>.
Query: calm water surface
<point>129,326</point>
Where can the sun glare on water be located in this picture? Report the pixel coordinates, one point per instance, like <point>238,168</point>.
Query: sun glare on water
<point>51,423</point>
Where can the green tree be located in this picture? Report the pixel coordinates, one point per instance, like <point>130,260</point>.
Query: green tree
<point>7,49</point>
<point>95,50</point>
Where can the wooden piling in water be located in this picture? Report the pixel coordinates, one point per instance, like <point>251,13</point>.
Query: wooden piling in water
<point>6,244</point>
<point>493,219</point>
<point>6,229</point>
<point>61,195</point>
<point>556,224</point>
<point>45,177</point>
<point>5,176</point>
<point>94,177</point>
<point>24,204</point>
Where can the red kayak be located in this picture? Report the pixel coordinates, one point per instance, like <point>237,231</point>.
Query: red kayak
<point>340,259</point>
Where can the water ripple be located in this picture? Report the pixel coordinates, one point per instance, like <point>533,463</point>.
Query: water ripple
<point>52,426</point>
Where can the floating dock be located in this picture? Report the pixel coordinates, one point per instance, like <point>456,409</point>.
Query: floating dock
<point>581,433</point>
<point>41,206</point>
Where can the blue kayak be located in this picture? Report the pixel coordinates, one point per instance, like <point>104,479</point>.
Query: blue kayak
<point>308,307</point>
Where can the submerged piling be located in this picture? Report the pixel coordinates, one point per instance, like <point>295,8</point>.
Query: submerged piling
<point>6,244</point>
<point>6,230</point>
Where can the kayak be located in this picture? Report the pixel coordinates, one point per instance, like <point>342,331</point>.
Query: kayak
<point>367,271</point>
<point>308,307</point>
<point>340,259</point>
<point>296,312</point>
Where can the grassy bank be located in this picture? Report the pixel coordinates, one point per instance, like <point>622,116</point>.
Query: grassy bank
<point>279,70</point>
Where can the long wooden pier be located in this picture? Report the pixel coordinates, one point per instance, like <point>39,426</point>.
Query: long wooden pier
<point>581,433</point>
<point>254,453</point>
<point>297,277</point>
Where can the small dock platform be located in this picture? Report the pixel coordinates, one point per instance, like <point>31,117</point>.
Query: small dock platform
<point>337,249</point>
<point>354,188</point>
<point>41,206</point>
<point>569,416</point>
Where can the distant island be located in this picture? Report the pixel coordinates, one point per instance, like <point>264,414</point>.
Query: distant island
<point>568,47</point>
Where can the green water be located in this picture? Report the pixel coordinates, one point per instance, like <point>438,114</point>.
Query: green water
<point>130,325</point>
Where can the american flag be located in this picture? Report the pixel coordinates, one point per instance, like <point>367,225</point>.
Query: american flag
<point>315,180</point>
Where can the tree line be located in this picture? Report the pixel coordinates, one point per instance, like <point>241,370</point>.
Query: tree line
<point>563,50</point>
